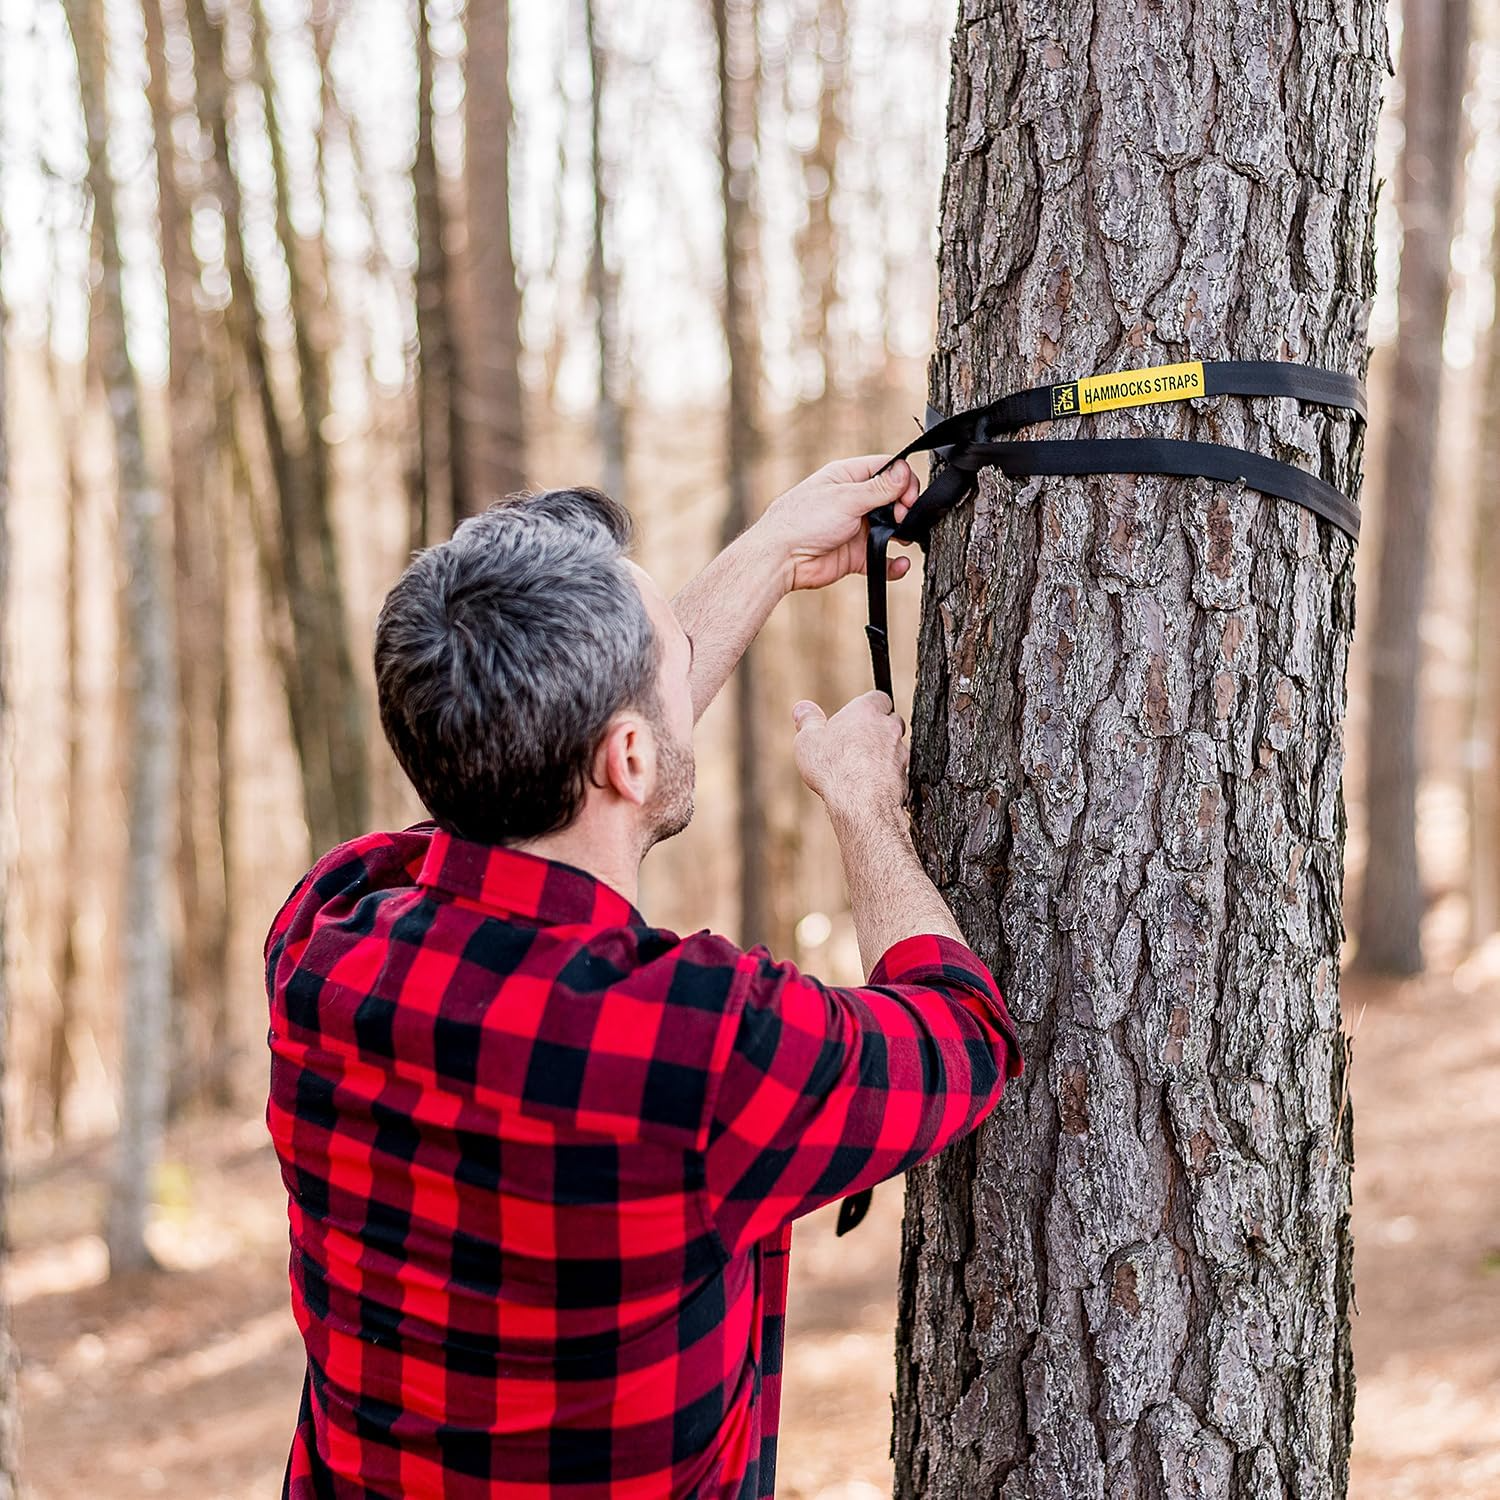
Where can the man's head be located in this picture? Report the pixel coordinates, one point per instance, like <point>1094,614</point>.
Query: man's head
<point>525,666</point>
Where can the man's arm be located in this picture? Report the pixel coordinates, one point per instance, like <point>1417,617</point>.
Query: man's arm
<point>723,608</point>
<point>856,762</point>
<point>829,1091</point>
<point>808,538</point>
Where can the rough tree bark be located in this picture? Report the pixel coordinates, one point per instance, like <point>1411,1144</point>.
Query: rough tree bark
<point>10,1406</point>
<point>1434,65</point>
<point>148,669</point>
<point>493,402</point>
<point>604,288</point>
<point>1127,745</point>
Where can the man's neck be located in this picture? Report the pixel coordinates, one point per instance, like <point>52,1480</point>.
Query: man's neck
<point>602,847</point>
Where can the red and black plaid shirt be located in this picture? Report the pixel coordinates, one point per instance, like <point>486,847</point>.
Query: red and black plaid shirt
<point>543,1159</point>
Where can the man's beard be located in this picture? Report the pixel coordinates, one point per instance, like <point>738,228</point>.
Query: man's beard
<point>670,809</point>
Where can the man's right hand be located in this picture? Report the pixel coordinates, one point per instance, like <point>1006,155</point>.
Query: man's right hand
<point>858,758</point>
<point>856,762</point>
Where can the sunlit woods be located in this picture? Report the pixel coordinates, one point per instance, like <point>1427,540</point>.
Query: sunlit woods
<point>291,286</point>
<point>296,287</point>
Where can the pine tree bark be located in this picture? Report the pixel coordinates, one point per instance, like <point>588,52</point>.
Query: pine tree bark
<point>1434,65</point>
<point>1127,748</point>
<point>148,668</point>
<point>493,402</point>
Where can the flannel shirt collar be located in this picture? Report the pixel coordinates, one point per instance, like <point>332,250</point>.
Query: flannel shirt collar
<point>509,882</point>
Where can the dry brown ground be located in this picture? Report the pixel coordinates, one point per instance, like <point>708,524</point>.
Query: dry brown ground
<point>185,1384</point>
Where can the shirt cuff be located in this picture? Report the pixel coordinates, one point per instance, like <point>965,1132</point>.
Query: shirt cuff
<point>938,961</point>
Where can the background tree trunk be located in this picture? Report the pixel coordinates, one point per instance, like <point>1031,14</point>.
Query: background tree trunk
<point>443,498</point>
<point>149,681</point>
<point>604,283</point>
<point>60,1070</point>
<point>833,614</point>
<point>735,33</point>
<point>297,551</point>
<point>493,402</point>
<point>200,955</point>
<point>1434,65</point>
<point>10,1406</point>
<point>309,533</point>
<point>1484,734</point>
<point>827,38</point>
<point>1126,762</point>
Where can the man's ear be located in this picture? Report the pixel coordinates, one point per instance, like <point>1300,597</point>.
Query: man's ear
<point>625,762</point>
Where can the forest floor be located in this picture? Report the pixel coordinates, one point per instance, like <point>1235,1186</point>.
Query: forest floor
<point>185,1383</point>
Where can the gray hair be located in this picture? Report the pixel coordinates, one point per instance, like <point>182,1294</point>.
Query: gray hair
<point>502,654</point>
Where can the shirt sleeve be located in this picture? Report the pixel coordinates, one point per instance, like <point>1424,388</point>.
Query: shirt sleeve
<point>826,1091</point>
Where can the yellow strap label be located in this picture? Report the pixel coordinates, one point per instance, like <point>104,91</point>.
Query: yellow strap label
<point>1128,388</point>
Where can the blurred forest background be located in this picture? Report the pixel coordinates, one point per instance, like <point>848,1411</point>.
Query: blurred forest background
<point>289,286</point>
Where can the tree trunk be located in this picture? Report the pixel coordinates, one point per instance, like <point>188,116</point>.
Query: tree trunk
<point>817,260</point>
<point>835,624</point>
<point>10,1406</point>
<point>219,1081</point>
<point>493,404</point>
<point>1434,57</point>
<point>604,286</point>
<point>200,954</point>
<point>734,31</point>
<point>1484,735</point>
<point>443,496</point>
<point>60,1071</point>
<point>329,663</point>
<point>1127,746</point>
<point>150,689</point>
<point>298,556</point>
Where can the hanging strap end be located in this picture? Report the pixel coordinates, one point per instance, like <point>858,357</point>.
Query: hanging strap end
<point>852,1212</point>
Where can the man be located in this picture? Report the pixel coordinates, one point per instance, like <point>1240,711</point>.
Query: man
<point>542,1158</point>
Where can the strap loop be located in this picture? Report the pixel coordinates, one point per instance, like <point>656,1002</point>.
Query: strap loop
<point>969,441</point>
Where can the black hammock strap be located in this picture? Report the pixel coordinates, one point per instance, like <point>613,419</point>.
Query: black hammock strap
<point>973,440</point>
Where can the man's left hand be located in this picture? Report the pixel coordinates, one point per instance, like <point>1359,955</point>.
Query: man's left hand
<point>818,526</point>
